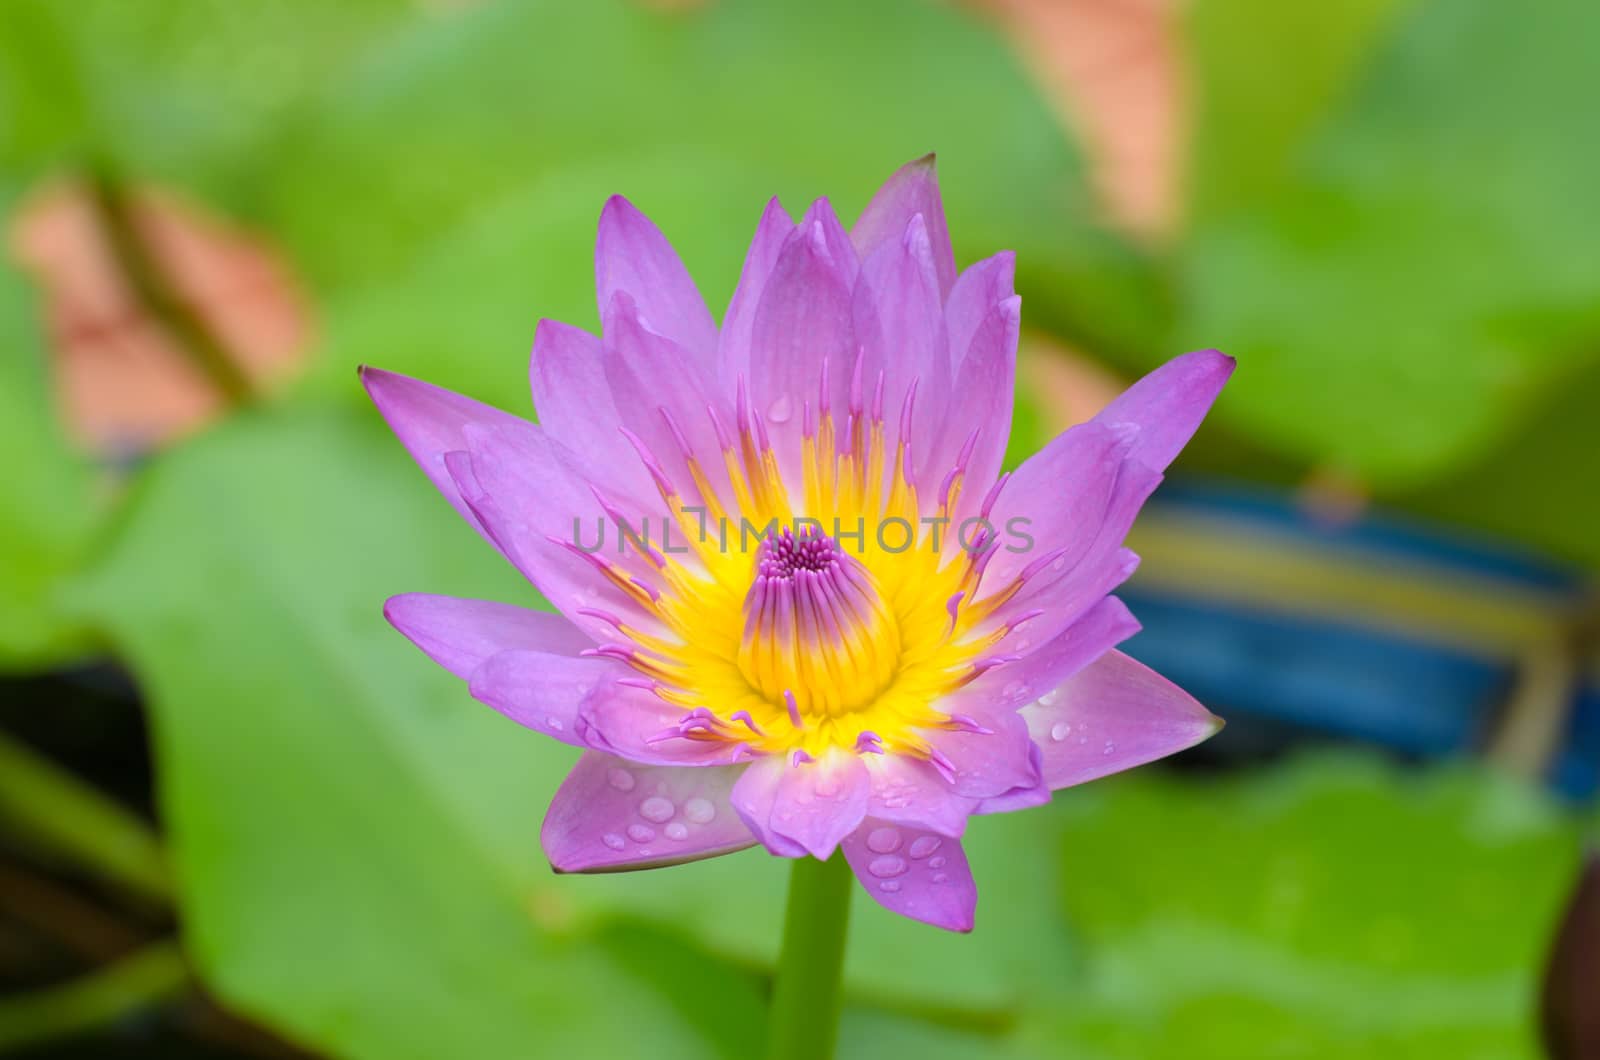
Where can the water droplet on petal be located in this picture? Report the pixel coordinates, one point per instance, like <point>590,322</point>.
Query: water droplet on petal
<point>936,863</point>
<point>883,840</point>
<point>620,779</point>
<point>889,886</point>
<point>1058,564</point>
<point>888,865</point>
<point>940,877</point>
<point>781,409</point>
<point>699,810</point>
<point>553,723</point>
<point>1060,730</point>
<point>827,788</point>
<point>613,840</point>
<point>924,845</point>
<point>1013,689</point>
<point>1108,748</point>
<point>657,809</point>
<point>677,830</point>
<point>641,833</point>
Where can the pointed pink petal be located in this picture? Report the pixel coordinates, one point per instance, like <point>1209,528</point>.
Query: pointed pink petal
<point>540,691</point>
<point>988,764</point>
<point>1168,404</point>
<point>430,422</point>
<point>1112,715</point>
<point>575,405</point>
<point>979,288</point>
<point>460,635</point>
<point>918,874</point>
<point>1023,798</point>
<point>809,805</point>
<point>529,496</point>
<point>1065,513</point>
<point>611,815</point>
<point>753,796</point>
<point>899,324</point>
<point>804,318</point>
<point>632,255</point>
<point>657,385</point>
<point>913,189</point>
<point>1011,685</point>
<point>980,400</point>
<point>738,324</point>
<point>636,724</point>
<point>910,791</point>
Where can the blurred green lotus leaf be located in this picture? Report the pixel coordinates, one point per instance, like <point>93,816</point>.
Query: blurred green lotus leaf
<point>1423,271</point>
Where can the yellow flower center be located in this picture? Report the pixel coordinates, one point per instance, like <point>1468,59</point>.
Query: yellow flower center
<point>837,622</point>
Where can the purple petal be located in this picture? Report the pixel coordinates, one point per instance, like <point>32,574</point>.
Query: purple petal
<point>632,255</point>
<point>1023,798</point>
<point>738,324</point>
<point>431,421</point>
<point>611,815</point>
<point>636,724</point>
<point>899,324</point>
<point>912,190</point>
<point>981,402</point>
<point>540,691</point>
<point>1074,498</point>
<point>575,404</point>
<point>661,395</point>
<point>910,791</point>
<point>460,635</point>
<point>753,797</point>
<point>918,874</point>
<point>978,289</point>
<point>983,765</point>
<point>1112,715</point>
<point>1168,404</point>
<point>531,501</point>
<point>803,319</point>
<point>1011,685</point>
<point>811,805</point>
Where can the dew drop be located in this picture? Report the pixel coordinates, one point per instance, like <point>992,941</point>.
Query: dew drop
<point>1108,748</point>
<point>1058,564</point>
<point>884,841</point>
<point>699,810</point>
<point>936,863</point>
<point>657,809</point>
<point>553,723</point>
<point>1013,688</point>
<point>677,830</point>
<point>827,788</point>
<point>940,877</point>
<point>781,409</point>
<point>924,845</point>
<point>888,865</point>
<point>889,886</point>
<point>1060,731</point>
<point>620,779</point>
<point>641,833</point>
<point>613,840</point>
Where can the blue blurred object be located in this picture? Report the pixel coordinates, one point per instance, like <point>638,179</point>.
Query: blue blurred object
<point>1377,629</point>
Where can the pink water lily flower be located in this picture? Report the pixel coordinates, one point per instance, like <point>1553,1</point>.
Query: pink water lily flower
<point>799,604</point>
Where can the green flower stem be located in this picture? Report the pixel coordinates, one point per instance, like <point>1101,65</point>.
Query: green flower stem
<point>804,1020</point>
<point>133,984</point>
<point>156,293</point>
<point>49,805</point>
